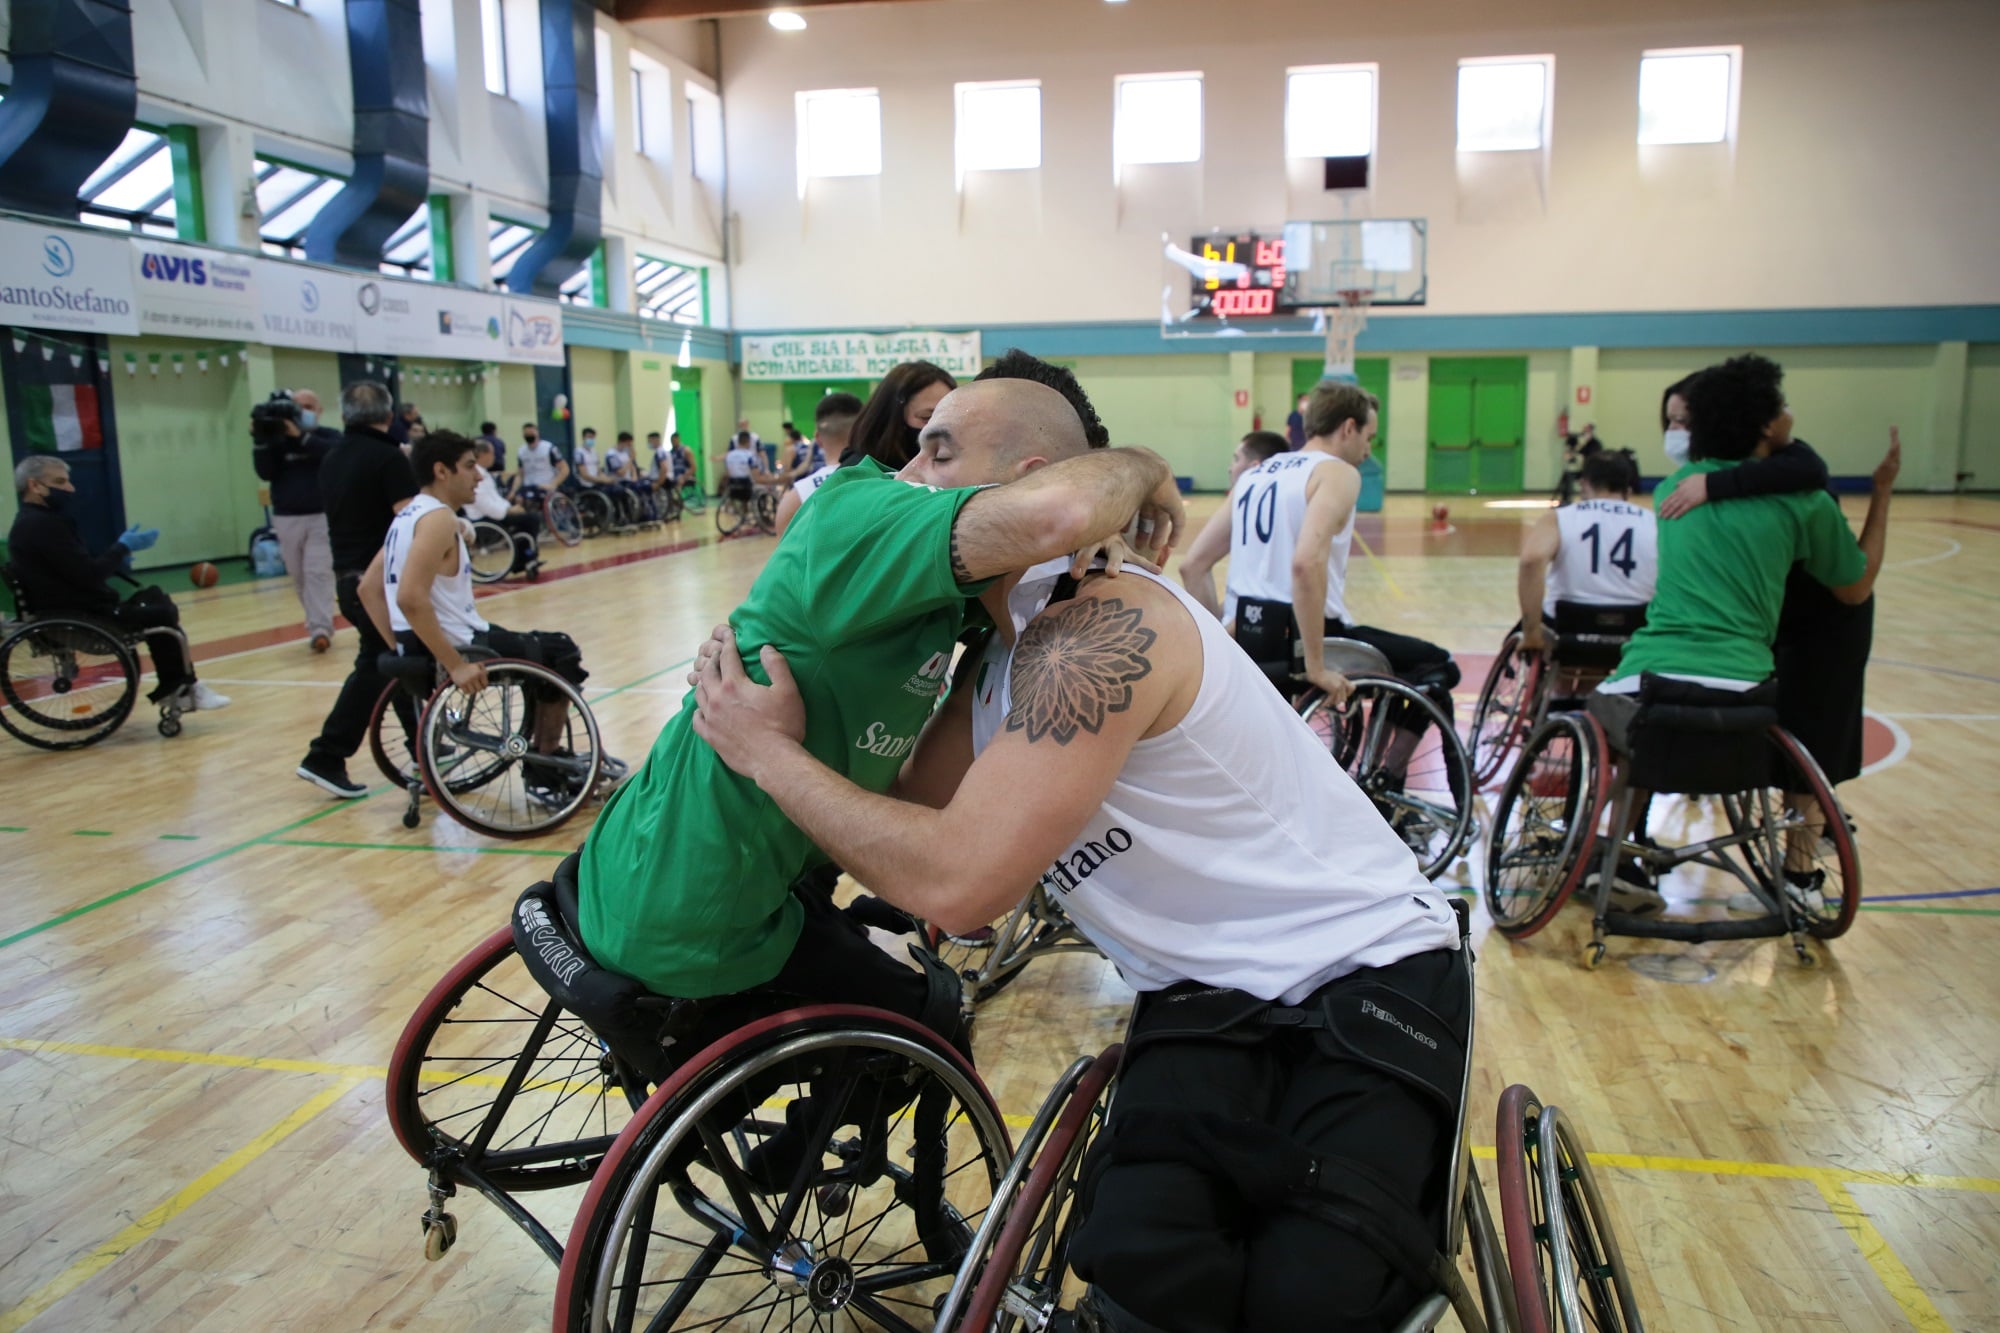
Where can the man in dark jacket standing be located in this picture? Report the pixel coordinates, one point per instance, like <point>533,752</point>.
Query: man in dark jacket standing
<point>364,482</point>
<point>59,576</point>
<point>290,446</point>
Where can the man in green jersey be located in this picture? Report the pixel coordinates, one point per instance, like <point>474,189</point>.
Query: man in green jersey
<point>1722,578</point>
<point>685,881</point>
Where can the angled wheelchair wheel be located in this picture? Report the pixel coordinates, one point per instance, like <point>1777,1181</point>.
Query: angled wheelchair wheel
<point>1795,823</point>
<point>1568,1272</point>
<point>65,683</point>
<point>729,515</point>
<point>594,512</point>
<point>1545,824</point>
<point>671,504</point>
<point>492,551</point>
<point>1505,712</point>
<point>493,1074</point>
<point>852,1206</point>
<point>481,761</point>
<point>392,730</point>
<point>767,510</point>
<point>1014,1279</point>
<point>1417,776</point>
<point>559,513</point>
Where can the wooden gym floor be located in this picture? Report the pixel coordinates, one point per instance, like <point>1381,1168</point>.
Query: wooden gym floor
<point>204,965</point>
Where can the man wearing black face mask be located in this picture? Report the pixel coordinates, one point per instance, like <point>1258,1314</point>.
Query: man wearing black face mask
<point>542,468</point>
<point>59,575</point>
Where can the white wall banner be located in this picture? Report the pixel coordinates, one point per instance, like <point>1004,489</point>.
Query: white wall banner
<point>420,319</point>
<point>855,356</point>
<point>51,278</point>
<point>301,306</point>
<point>188,292</point>
<point>534,332</point>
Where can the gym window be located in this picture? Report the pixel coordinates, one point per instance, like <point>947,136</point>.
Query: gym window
<point>1687,96</point>
<point>668,291</point>
<point>1503,104</point>
<point>289,197</point>
<point>1330,111</point>
<point>134,188</point>
<point>840,133</point>
<point>638,109</point>
<point>493,45</point>
<point>1157,119</point>
<point>999,126</point>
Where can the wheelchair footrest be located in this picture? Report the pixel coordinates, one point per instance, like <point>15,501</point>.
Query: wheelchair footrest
<point>1695,932</point>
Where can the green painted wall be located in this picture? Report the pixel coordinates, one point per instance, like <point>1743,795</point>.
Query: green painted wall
<point>1980,453</point>
<point>512,401</point>
<point>1179,406</point>
<point>593,387</point>
<point>445,405</point>
<point>318,371</point>
<point>184,451</point>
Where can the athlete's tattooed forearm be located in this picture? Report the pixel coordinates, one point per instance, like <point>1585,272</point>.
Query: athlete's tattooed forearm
<point>958,567</point>
<point>1076,664</point>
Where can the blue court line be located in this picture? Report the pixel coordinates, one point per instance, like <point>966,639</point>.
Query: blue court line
<point>1916,897</point>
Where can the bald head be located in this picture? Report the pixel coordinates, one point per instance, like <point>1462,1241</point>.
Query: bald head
<point>992,431</point>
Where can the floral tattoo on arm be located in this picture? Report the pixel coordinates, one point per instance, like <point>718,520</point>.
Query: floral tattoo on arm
<point>1076,665</point>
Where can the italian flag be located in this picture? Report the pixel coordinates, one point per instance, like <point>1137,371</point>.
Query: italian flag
<point>61,418</point>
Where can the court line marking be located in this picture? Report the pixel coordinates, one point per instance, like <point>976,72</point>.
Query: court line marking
<point>1940,717</point>
<point>1889,1268</point>
<point>414,847</point>
<point>1942,671</point>
<point>190,1194</point>
<point>1899,745</point>
<point>1941,893</point>
<point>1955,548</point>
<point>1380,568</point>
<point>1719,1166</point>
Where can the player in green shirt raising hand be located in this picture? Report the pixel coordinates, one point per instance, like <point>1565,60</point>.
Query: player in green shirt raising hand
<point>685,882</point>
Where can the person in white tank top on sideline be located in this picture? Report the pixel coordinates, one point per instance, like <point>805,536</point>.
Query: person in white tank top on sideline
<point>432,614</point>
<point>1111,743</point>
<point>1212,542</point>
<point>1601,551</point>
<point>833,424</point>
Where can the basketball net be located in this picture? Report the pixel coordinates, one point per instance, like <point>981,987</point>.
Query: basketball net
<point>1344,323</point>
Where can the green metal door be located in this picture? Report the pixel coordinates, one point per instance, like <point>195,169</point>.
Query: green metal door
<point>1371,372</point>
<point>687,419</point>
<point>802,398</point>
<point>1478,423</point>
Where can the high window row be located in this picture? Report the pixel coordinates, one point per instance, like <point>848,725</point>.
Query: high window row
<point>1686,96</point>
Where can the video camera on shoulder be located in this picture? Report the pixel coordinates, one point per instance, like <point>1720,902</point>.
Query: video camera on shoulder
<point>268,417</point>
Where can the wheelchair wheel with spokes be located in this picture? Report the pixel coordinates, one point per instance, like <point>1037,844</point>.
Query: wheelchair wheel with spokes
<point>559,512</point>
<point>65,683</point>
<point>858,1200</point>
<point>482,757</point>
<point>448,1093</point>
<point>492,551</point>
<point>671,505</point>
<point>1569,1274</point>
<point>767,510</point>
<point>1545,824</point>
<point>392,730</point>
<point>1020,1258</point>
<point>1797,824</point>
<point>1504,714</point>
<point>729,515</point>
<point>594,512</point>
<point>1417,777</point>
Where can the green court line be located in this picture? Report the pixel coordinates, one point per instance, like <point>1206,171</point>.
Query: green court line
<point>10,828</point>
<point>633,684</point>
<point>180,837</point>
<point>415,847</point>
<point>90,833</point>
<point>157,880</point>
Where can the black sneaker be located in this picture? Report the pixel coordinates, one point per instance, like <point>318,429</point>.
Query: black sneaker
<point>1633,888</point>
<point>330,776</point>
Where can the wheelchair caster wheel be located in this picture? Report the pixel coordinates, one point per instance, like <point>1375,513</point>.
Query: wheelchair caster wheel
<point>534,573</point>
<point>440,1234</point>
<point>1807,958</point>
<point>410,818</point>
<point>1593,956</point>
<point>170,726</point>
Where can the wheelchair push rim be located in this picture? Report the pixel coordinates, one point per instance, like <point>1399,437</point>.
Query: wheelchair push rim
<point>1430,805</point>
<point>392,728</point>
<point>1568,1272</point>
<point>878,1235</point>
<point>1503,716</point>
<point>478,756</point>
<point>1545,824</point>
<point>65,683</point>
<point>491,550</point>
<point>1822,883</point>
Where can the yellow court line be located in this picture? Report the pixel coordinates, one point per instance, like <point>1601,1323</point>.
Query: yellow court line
<point>1881,1257</point>
<point>1380,568</point>
<point>83,1270</point>
<point>1717,1166</point>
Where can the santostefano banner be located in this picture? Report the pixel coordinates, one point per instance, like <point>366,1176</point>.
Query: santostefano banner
<point>55,279</point>
<point>855,356</point>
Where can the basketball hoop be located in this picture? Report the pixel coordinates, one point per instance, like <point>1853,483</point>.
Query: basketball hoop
<point>1344,323</point>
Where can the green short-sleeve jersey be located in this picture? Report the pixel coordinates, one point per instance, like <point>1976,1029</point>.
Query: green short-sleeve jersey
<point>1722,579</point>
<point>685,878</point>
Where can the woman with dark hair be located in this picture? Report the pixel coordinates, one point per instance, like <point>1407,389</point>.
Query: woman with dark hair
<point>896,412</point>
<point>1822,644</point>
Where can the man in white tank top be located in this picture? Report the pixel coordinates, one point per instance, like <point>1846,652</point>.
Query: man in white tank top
<point>1601,551</point>
<point>418,591</point>
<point>833,425</point>
<point>1114,746</point>
<point>1212,542</point>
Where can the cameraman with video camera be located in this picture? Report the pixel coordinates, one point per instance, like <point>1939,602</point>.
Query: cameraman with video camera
<point>290,444</point>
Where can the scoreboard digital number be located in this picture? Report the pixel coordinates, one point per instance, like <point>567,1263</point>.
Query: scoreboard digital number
<point>1258,292</point>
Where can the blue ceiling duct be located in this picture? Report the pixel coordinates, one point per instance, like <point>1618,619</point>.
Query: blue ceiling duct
<point>392,144</point>
<point>75,96</point>
<point>576,173</point>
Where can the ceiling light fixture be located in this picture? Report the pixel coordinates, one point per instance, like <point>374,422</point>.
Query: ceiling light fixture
<point>784,20</point>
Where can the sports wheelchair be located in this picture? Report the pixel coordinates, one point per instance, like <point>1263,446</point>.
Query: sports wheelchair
<point>1775,825</point>
<point>474,753</point>
<point>67,681</point>
<point>1419,778</point>
<point>758,510</point>
<point>529,1068</point>
<point>987,960</point>
<point>1522,686</point>
<point>1560,1268</point>
<point>497,552</point>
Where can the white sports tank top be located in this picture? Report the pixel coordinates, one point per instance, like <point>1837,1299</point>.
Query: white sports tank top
<point>1232,850</point>
<point>1609,556</point>
<point>812,481</point>
<point>1270,508</point>
<point>451,594</point>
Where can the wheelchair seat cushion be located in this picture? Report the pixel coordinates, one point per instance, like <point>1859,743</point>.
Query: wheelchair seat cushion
<point>1698,740</point>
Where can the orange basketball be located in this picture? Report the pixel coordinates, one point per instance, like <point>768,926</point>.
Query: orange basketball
<point>204,575</point>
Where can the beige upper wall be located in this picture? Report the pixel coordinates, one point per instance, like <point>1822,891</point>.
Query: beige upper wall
<point>1863,173</point>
